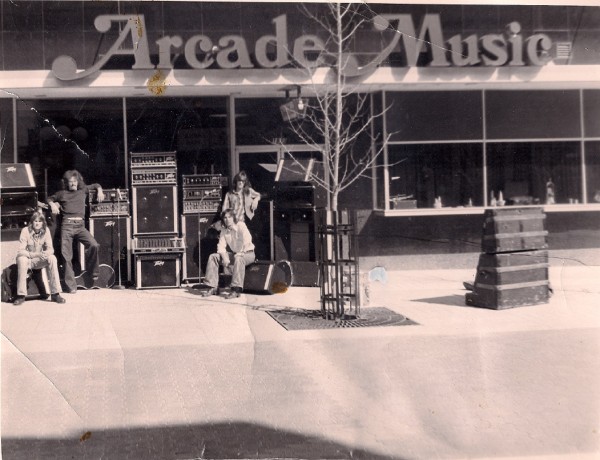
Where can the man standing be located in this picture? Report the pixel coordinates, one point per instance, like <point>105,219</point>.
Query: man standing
<point>235,243</point>
<point>71,202</point>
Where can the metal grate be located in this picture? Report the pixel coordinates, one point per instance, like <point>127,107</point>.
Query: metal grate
<point>302,319</point>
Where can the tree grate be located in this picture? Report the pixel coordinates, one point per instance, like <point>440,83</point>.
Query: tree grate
<point>303,319</point>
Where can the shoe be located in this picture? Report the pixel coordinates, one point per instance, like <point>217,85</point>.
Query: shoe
<point>57,298</point>
<point>208,292</point>
<point>70,291</point>
<point>468,286</point>
<point>19,300</point>
<point>95,284</point>
<point>233,293</point>
<point>44,296</point>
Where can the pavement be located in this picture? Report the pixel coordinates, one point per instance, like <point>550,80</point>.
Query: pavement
<point>167,374</point>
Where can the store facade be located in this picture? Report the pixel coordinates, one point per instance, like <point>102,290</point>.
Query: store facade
<point>483,105</point>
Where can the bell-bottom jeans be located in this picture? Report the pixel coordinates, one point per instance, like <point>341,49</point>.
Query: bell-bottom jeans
<point>240,262</point>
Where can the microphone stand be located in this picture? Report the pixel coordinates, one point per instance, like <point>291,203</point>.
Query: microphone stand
<point>120,285</point>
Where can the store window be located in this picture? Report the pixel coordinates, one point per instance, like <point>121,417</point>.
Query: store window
<point>435,175</point>
<point>195,128</point>
<point>591,113</point>
<point>260,121</point>
<point>535,172</point>
<point>433,115</point>
<point>83,134</point>
<point>6,131</point>
<point>532,114</point>
<point>592,162</point>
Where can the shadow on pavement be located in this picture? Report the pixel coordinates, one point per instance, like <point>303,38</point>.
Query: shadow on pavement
<point>454,300</point>
<point>212,441</point>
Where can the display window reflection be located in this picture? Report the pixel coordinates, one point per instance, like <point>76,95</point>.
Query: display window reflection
<point>195,128</point>
<point>531,173</point>
<point>592,163</point>
<point>84,134</point>
<point>435,175</point>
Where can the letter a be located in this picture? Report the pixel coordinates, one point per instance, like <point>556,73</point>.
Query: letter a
<point>65,67</point>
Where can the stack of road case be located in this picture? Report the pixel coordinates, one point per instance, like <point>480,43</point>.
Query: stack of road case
<point>513,268</point>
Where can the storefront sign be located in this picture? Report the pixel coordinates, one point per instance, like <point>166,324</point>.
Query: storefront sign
<point>231,51</point>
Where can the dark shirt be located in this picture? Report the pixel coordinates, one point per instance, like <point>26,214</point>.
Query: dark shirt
<point>72,202</point>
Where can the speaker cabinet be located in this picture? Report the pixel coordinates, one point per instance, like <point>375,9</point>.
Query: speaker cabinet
<point>157,271</point>
<point>200,241</point>
<point>268,277</point>
<point>37,281</point>
<point>305,274</point>
<point>261,229</point>
<point>294,235</point>
<point>113,234</point>
<point>154,209</point>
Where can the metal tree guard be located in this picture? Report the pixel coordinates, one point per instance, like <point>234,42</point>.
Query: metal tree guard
<point>338,264</point>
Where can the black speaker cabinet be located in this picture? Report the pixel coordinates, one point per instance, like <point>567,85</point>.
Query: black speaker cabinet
<point>200,241</point>
<point>37,281</point>
<point>305,273</point>
<point>113,234</point>
<point>154,209</point>
<point>294,235</point>
<point>268,277</point>
<point>261,228</point>
<point>157,271</point>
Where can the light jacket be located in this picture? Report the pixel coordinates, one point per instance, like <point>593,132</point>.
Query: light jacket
<point>30,244</point>
<point>237,239</point>
<point>241,203</point>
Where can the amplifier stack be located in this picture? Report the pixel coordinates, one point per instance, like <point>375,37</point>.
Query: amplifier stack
<point>202,194</point>
<point>110,224</point>
<point>155,222</point>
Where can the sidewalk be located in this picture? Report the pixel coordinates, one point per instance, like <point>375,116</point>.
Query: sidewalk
<point>169,374</point>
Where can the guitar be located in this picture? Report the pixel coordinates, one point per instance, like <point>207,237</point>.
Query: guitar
<point>106,278</point>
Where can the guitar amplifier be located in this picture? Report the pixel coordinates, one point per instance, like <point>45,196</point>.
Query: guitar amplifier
<point>156,271</point>
<point>267,277</point>
<point>37,281</point>
<point>145,159</point>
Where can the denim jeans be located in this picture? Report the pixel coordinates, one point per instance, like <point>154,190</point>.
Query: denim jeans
<point>76,231</point>
<point>24,264</point>
<point>240,262</point>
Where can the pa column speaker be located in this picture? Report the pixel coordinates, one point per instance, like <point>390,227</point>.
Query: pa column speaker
<point>154,209</point>
<point>200,241</point>
<point>113,234</point>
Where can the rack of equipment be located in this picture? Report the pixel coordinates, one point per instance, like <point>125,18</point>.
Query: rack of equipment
<point>202,196</point>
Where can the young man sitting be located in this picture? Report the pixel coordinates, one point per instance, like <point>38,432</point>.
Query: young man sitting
<point>36,252</point>
<point>235,248</point>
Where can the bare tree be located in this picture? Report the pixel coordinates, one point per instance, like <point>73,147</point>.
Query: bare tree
<point>339,115</point>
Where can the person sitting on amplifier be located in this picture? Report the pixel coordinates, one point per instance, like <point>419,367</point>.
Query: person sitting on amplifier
<point>35,252</point>
<point>71,202</point>
<point>235,243</point>
<point>242,198</point>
